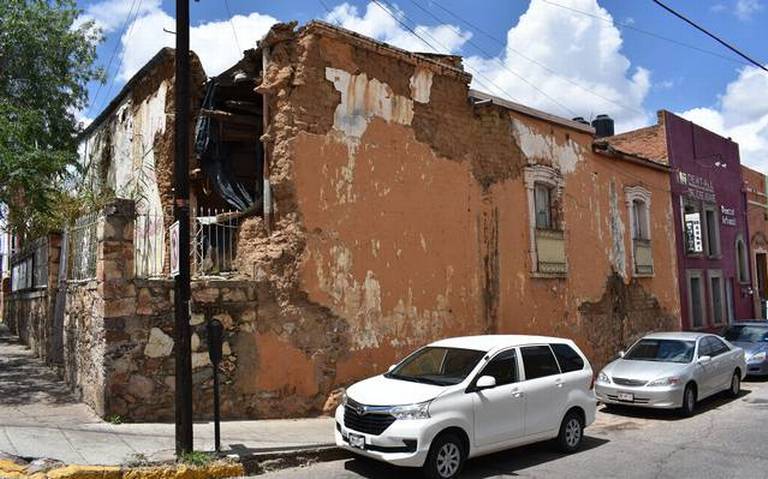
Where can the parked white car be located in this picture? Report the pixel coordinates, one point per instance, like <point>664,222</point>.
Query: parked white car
<point>463,397</point>
<point>672,371</point>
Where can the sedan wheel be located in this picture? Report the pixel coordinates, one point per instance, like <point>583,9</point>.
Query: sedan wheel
<point>735,385</point>
<point>689,401</point>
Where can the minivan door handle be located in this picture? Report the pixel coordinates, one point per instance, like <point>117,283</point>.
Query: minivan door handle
<point>559,382</point>
<point>517,394</point>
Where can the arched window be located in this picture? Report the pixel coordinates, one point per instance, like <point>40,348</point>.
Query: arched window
<point>639,204</point>
<point>742,263</point>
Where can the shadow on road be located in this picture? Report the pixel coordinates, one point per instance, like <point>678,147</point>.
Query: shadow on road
<point>708,404</point>
<point>501,463</point>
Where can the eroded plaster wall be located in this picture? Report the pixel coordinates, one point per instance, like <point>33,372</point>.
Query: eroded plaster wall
<point>401,216</point>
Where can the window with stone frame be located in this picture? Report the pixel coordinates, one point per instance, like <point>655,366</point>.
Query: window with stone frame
<point>639,205</point>
<point>544,187</point>
<point>742,263</point>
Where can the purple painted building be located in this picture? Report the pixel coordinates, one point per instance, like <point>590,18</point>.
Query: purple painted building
<point>709,210</point>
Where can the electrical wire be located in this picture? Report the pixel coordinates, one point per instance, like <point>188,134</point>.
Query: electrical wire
<point>711,35</point>
<point>646,32</point>
<point>122,57</point>
<point>521,54</point>
<point>234,32</point>
<point>111,57</point>
<point>499,90</point>
<point>494,57</point>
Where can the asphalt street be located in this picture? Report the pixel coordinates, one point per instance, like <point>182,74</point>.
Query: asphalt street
<point>727,438</point>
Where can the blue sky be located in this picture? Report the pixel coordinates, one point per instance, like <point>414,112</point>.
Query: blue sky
<point>585,57</point>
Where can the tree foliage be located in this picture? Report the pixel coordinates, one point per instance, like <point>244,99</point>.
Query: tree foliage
<point>46,62</point>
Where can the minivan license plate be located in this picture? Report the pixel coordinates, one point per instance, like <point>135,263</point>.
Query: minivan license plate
<point>356,440</point>
<point>626,397</point>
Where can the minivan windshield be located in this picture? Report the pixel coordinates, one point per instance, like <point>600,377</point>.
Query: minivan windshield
<point>747,334</point>
<point>662,350</point>
<point>436,365</point>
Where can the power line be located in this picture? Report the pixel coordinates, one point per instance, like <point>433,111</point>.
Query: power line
<point>404,25</point>
<point>711,35</point>
<point>234,32</point>
<point>645,32</point>
<point>499,90</point>
<point>330,12</point>
<point>494,57</point>
<point>521,54</point>
<point>112,57</point>
<point>122,57</point>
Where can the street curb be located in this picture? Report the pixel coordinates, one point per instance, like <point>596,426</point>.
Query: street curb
<point>217,470</point>
<point>260,463</point>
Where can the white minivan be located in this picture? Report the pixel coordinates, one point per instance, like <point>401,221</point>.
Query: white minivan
<point>464,397</point>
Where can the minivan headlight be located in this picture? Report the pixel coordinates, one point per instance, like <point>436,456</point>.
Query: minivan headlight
<point>758,357</point>
<point>603,378</point>
<point>670,381</point>
<point>411,411</point>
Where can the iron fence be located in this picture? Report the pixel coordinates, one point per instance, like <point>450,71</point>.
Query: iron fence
<point>83,245</point>
<point>29,267</point>
<point>214,241</point>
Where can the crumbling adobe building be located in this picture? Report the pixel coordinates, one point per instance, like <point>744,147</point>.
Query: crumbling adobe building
<point>380,204</point>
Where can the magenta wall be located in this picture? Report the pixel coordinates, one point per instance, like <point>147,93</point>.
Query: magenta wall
<point>694,155</point>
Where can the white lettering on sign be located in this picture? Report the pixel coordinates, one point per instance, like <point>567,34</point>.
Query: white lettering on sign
<point>693,240</point>
<point>698,188</point>
<point>728,217</point>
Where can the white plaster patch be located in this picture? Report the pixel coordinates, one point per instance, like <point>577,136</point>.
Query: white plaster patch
<point>362,100</point>
<point>536,146</point>
<point>421,84</point>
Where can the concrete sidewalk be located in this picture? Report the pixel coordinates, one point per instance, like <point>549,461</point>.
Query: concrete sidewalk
<point>40,418</point>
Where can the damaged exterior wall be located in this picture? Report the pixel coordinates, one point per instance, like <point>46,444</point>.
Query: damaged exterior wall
<point>402,216</point>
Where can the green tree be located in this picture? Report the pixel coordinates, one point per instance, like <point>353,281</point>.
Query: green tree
<point>46,62</point>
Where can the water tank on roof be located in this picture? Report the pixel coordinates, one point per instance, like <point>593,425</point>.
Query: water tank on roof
<point>603,126</point>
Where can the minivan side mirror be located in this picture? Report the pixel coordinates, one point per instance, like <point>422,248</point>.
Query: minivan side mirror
<point>622,354</point>
<point>391,368</point>
<point>485,382</point>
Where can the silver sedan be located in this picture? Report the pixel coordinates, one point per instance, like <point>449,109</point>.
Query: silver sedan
<point>672,371</point>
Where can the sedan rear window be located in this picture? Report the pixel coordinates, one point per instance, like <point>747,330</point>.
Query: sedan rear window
<point>435,365</point>
<point>662,350</point>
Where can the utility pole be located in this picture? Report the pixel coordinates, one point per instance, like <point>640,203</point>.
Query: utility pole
<point>181,214</point>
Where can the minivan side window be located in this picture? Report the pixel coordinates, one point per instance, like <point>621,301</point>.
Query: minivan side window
<point>503,367</point>
<point>539,362</point>
<point>568,359</point>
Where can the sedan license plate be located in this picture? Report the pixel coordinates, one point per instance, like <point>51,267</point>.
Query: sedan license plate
<point>626,397</point>
<point>356,440</point>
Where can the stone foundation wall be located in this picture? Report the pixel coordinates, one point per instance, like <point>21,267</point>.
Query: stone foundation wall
<point>139,355</point>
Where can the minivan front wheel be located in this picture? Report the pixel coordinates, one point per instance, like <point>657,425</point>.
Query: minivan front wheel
<point>446,457</point>
<point>571,433</point>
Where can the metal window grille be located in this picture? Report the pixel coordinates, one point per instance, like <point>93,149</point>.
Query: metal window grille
<point>29,267</point>
<point>84,247</point>
<point>214,241</point>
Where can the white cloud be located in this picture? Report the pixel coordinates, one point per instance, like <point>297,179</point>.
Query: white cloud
<point>110,15</point>
<point>586,54</point>
<point>379,24</point>
<point>746,8</point>
<point>742,114</point>
<point>214,42</point>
